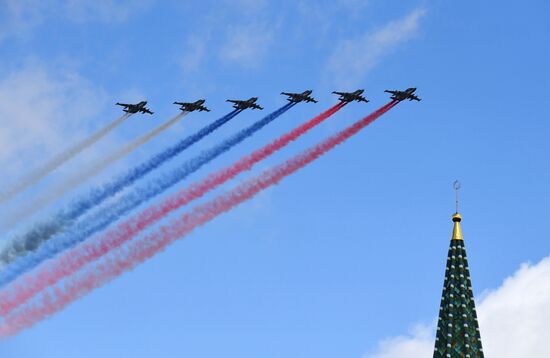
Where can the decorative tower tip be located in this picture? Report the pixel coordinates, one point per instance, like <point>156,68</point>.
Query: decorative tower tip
<point>458,333</point>
<point>457,218</point>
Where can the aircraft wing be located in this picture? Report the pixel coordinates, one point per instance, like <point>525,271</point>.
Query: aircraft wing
<point>413,97</point>
<point>123,104</point>
<point>203,108</point>
<point>145,110</point>
<point>339,93</point>
<point>233,101</point>
<point>392,92</point>
<point>256,106</point>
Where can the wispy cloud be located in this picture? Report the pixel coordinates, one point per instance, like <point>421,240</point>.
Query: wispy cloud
<point>248,8</point>
<point>352,59</point>
<point>194,53</point>
<point>354,5</point>
<point>38,107</point>
<point>104,10</point>
<point>247,45</point>
<point>237,34</point>
<point>418,343</point>
<point>513,320</point>
<point>20,17</point>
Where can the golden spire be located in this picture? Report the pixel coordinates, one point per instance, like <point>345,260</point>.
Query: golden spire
<point>457,218</point>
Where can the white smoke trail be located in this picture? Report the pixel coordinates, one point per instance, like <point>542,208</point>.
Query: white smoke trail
<point>84,174</point>
<point>56,162</point>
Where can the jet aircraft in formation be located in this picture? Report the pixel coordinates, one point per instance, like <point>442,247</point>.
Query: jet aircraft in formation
<point>300,97</point>
<point>403,95</point>
<point>351,96</point>
<point>249,103</point>
<point>292,97</point>
<point>193,106</point>
<point>134,108</point>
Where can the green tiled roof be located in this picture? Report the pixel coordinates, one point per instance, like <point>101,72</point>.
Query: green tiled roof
<point>457,329</point>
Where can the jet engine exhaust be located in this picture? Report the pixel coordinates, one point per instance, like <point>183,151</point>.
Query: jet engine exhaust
<point>19,251</point>
<point>72,261</point>
<point>140,250</point>
<point>125,204</point>
<point>86,173</point>
<point>35,176</point>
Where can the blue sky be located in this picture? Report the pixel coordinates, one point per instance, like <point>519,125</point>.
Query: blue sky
<point>344,254</point>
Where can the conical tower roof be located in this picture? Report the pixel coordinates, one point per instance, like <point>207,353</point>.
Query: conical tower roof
<point>457,329</point>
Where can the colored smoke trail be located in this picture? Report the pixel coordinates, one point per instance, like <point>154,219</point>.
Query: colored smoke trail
<point>20,246</point>
<point>86,172</point>
<point>123,205</point>
<point>38,174</point>
<point>139,251</point>
<point>73,260</point>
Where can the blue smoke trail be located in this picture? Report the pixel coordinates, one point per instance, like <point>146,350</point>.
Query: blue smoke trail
<point>104,217</point>
<point>33,239</point>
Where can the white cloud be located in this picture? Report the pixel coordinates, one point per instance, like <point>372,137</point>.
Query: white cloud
<point>352,59</point>
<point>237,33</point>
<point>418,343</point>
<point>22,16</point>
<point>37,109</point>
<point>354,5</point>
<point>248,8</point>
<point>194,54</point>
<point>103,10</point>
<point>513,320</point>
<point>247,45</point>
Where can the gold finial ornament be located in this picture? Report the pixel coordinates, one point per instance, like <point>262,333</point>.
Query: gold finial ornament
<point>457,218</point>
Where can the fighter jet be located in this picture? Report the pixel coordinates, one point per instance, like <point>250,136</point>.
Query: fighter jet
<point>249,103</point>
<point>402,95</point>
<point>351,96</point>
<point>299,97</point>
<point>193,106</point>
<point>134,108</point>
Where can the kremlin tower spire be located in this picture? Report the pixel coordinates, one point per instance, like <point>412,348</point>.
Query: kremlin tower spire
<point>457,329</point>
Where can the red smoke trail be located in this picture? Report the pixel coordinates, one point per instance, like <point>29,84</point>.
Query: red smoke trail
<point>140,250</point>
<point>73,260</point>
